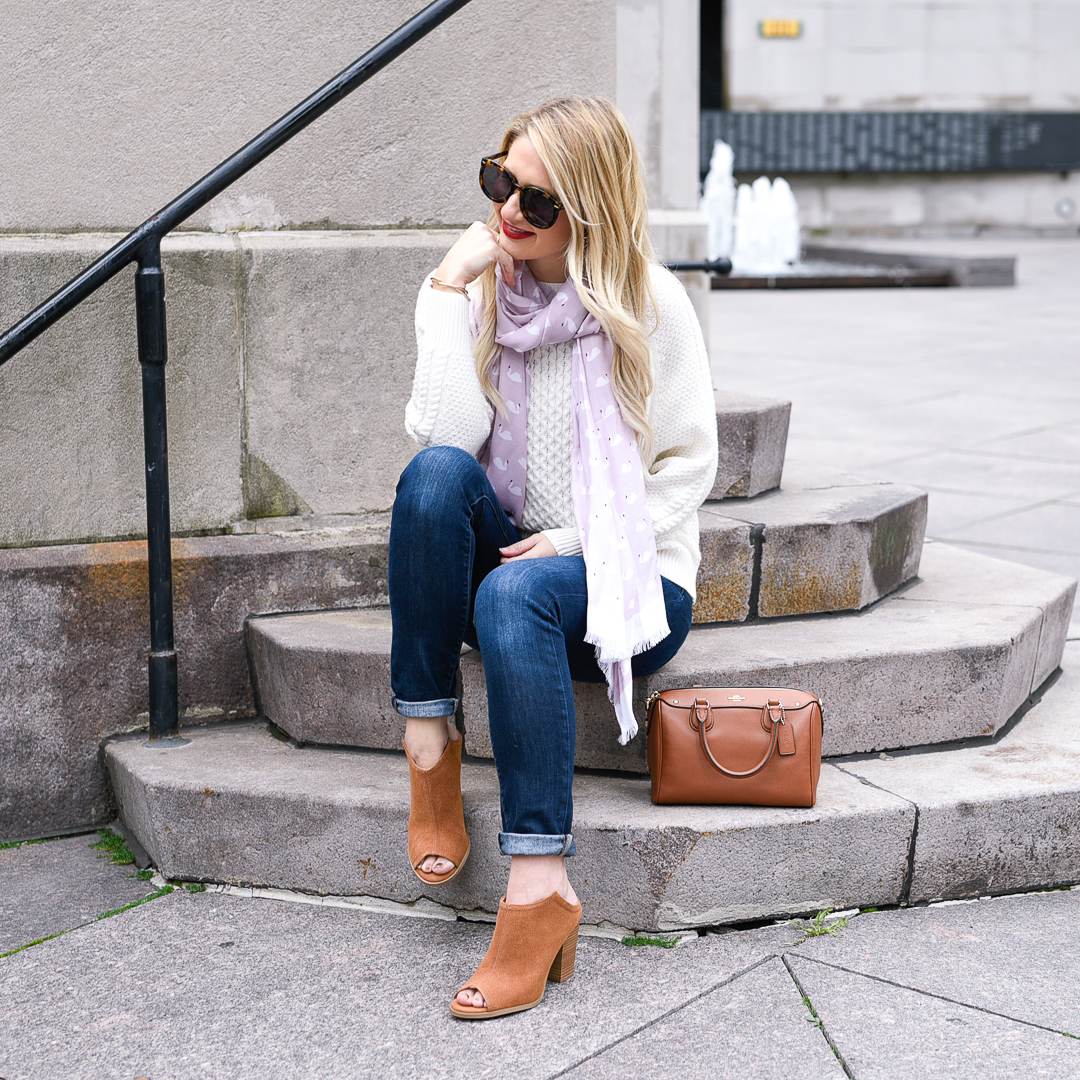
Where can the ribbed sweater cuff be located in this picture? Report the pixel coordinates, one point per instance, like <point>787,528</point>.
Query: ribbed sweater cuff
<point>564,541</point>
<point>446,322</point>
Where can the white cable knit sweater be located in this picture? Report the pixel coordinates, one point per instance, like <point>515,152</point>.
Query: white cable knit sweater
<point>448,408</point>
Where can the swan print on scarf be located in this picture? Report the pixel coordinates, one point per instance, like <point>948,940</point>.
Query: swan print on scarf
<point>626,613</point>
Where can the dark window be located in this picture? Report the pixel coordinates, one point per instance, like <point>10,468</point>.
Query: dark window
<point>713,91</point>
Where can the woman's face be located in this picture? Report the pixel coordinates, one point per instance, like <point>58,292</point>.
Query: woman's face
<point>543,249</point>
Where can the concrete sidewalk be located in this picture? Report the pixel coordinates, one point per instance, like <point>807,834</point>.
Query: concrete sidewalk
<point>206,984</point>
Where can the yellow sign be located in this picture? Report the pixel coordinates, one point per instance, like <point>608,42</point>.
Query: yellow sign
<point>780,28</point>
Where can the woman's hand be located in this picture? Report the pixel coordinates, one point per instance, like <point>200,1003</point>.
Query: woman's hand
<point>475,250</point>
<point>537,546</point>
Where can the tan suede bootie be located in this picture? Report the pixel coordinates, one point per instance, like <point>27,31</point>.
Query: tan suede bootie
<point>436,816</point>
<point>533,943</point>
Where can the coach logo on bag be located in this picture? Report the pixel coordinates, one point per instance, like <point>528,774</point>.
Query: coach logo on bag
<point>736,697</point>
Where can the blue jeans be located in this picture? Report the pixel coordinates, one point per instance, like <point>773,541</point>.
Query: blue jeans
<point>526,617</point>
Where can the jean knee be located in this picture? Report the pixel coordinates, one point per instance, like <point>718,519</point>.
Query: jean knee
<point>496,599</point>
<point>434,477</point>
<point>437,463</point>
<point>513,596</point>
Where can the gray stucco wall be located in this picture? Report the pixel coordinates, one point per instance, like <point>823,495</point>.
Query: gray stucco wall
<point>109,108</point>
<point>291,357</point>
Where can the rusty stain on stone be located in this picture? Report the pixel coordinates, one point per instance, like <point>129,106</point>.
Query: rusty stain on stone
<point>722,599</point>
<point>801,591</point>
<point>724,576</point>
<point>116,571</point>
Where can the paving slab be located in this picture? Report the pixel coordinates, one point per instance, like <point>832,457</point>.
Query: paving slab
<point>988,474</point>
<point>954,510</point>
<point>951,657</point>
<point>999,817</point>
<point>977,390</point>
<point>1055,442</point>
<point>237,805</point>
<point>245,989</point>
<point>1013,955</point>
<point>1053,527</point>
<point>754,1026</point>
<point>752,436</point>
<point>894,1033</point>
<point>49,887</point>
<point>256,987</point>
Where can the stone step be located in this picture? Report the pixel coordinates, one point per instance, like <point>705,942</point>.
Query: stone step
<point>952,656</point>
<point>826,541</point>
<point>240,806</point>
<point>752,433</point>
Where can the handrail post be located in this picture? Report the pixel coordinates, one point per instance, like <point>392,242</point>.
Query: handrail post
<point>153,352</point>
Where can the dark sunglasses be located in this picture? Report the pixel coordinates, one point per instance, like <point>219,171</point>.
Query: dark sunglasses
<point>539,208</point>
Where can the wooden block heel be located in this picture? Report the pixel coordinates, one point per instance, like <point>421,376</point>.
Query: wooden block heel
<point>562,967</point>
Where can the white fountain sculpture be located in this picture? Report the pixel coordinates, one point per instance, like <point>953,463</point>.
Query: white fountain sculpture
<point>718,200</point>
<point>758,228</point>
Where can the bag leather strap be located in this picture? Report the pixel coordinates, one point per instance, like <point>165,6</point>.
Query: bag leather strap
<point>704,721</point>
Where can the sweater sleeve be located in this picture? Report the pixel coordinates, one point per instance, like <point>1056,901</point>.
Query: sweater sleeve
<point>447,406</point>
<point>564,541</point>
<point>682,412</point>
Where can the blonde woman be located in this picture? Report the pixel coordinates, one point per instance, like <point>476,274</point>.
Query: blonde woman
<point>563,392</point>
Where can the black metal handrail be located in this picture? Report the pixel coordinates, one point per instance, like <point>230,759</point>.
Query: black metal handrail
<point>143,246</point>
<point>707,266</point>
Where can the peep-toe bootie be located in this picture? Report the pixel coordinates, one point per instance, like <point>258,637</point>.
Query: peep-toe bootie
<point>533,943</point>
<point>436,816</point>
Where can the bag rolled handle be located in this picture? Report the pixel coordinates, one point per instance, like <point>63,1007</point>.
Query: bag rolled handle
<point>716,764</point>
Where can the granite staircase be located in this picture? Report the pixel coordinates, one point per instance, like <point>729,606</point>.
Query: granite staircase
<point>947,775</point>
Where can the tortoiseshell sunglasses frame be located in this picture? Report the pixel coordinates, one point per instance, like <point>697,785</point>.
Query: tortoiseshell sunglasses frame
<point>493,161</point>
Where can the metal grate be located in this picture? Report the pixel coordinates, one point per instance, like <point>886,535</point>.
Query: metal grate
<point>892,142</point>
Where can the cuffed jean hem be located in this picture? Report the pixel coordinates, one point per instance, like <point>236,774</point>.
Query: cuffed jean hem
<point>515,843</point>
<point>439,707</point>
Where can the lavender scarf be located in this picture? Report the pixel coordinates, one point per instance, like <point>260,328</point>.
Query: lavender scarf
<point>626,612</point>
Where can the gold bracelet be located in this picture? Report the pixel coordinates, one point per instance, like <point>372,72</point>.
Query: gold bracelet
<point>447,285</point>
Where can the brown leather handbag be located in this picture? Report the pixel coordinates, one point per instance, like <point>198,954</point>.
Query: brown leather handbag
<point>752,746</point>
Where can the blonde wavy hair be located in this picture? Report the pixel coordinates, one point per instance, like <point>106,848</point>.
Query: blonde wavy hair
<point>595,169</point>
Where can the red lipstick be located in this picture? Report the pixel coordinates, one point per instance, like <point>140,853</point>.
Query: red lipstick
<point>514,234</point>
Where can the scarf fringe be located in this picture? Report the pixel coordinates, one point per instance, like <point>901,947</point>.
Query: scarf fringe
<point>640,647</point>
<point>624,707</point>
<point>656,631</point>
